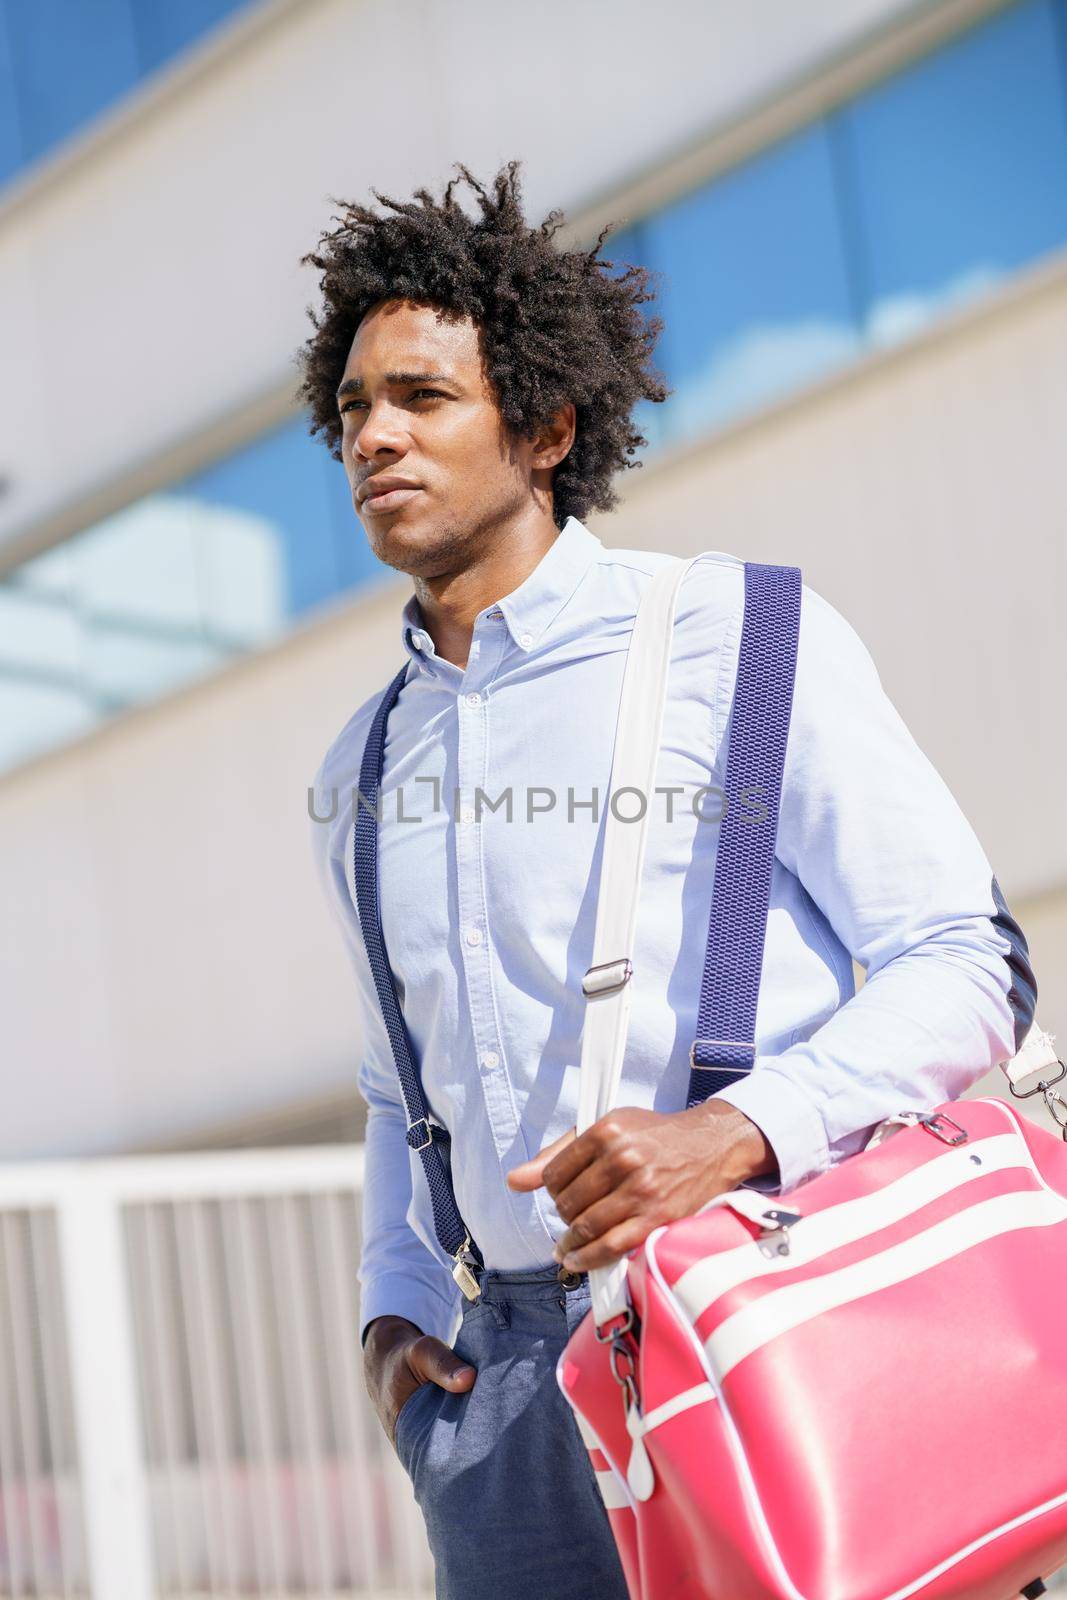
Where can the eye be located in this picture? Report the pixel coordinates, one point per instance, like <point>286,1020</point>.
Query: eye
<point>432,394</point>
<point>350,403</point>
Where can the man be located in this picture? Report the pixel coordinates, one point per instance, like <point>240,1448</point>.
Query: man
<point>478,384</point>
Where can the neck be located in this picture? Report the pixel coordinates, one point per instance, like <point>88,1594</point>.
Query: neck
<point>451,601</point>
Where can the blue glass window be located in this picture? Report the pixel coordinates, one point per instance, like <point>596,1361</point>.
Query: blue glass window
<point>164,28</point>
<point>173,587</point>
<point>63,61</point>
<point>755,292</point>
<point>956,169</point>
<point>70,58</point>
<point>11,155</point>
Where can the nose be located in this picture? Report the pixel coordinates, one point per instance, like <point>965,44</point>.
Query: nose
<point>381,434</point>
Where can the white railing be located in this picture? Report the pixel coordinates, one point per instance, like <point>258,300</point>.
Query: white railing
<point>182,1410</point>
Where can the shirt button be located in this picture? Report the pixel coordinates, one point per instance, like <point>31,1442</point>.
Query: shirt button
<point>416,641</point>
<point>526,640</point>
<point>490,1058</point>
<point>473,699</point>
<point>474,936</point>
<point>467,814</point>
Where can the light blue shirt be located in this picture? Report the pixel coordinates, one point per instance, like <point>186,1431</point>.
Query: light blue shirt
<point>488,916</point>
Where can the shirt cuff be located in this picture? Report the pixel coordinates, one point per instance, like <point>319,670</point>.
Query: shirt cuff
<point>397,1294</point>
<point>785,1116</point>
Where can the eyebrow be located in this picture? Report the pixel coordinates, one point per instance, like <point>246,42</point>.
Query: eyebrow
<point>355,385</point>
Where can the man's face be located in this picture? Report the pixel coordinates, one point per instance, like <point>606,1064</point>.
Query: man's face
<point>431,469</point>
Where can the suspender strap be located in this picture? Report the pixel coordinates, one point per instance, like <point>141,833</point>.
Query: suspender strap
<point>426,1139</point>
<point>724,1049</point>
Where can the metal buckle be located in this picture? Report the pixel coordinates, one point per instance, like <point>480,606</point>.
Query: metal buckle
<point>622,971</point>
<point>421,1122</point>
<point>930,1123</point>
<point>604,1337</point>
<point>735,1044</point>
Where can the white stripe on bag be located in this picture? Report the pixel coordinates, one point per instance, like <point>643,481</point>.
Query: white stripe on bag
<point>589,1438</point>
<point>756,1325</point>
<point>611,1491</point>
<point>703,1283</point>
<point>699,1395</point>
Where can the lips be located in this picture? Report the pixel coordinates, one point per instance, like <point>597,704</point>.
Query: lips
<point>385,492</point>
<point>388,500</point>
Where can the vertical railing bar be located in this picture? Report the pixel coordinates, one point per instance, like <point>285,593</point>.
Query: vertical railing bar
<point>164,1359</point>
<point>306,1378</point>
<point>248,1274</point>
<point>186,1299</point>
<point>136,1254</point>
<point>50,1313</point>
<point>246,1405</point>
<point>344,1389</point>
<point>292,1405</point>
<point>204,1311</point>
<point>59,1337</point>
<point>407,1530</point>
<point>26,1395</point>
<point>8,1445</point>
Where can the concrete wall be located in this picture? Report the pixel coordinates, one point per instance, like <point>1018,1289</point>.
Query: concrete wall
<point>167,963</point>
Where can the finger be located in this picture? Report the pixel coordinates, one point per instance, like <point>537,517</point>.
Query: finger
<point>611,1246</point>
<point>594,1183</point>
<point>600,1142</point>
<point>433,1361</point>
<point>597,1221</point>
<point>530,1174</point>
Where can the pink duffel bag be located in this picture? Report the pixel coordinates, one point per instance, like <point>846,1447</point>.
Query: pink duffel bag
<point>853,1391</point>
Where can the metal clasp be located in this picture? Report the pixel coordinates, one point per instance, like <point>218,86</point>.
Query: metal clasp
<point>608,977</point>
<point>1055,1103</point>
<point>1057,1109</point>
<point>461,1270</point>
<point>775,1241</point>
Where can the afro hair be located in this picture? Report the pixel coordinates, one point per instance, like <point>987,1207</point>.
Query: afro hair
<point>555,325</point>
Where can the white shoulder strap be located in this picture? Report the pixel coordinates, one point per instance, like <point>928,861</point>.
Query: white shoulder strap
<point>1037,1053</point>
<point>608,984</point>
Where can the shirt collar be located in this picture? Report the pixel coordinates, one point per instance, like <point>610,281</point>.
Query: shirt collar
<point>529,609</point>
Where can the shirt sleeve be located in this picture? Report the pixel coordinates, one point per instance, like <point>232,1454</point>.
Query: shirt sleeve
<point>399,1275</point>
<point>877,841</point>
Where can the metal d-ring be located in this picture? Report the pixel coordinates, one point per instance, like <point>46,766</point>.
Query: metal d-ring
<point>1054,1103</point>
<point>1042,1087</point>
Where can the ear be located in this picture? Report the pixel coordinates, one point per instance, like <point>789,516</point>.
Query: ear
<point>555,439</point>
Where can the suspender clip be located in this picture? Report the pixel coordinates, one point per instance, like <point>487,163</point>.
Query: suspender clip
<point>461,1270</point>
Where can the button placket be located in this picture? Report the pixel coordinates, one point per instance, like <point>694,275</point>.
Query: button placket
<point>473,710</point>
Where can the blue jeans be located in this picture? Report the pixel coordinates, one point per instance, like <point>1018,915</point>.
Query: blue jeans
<point>501,1475</point>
